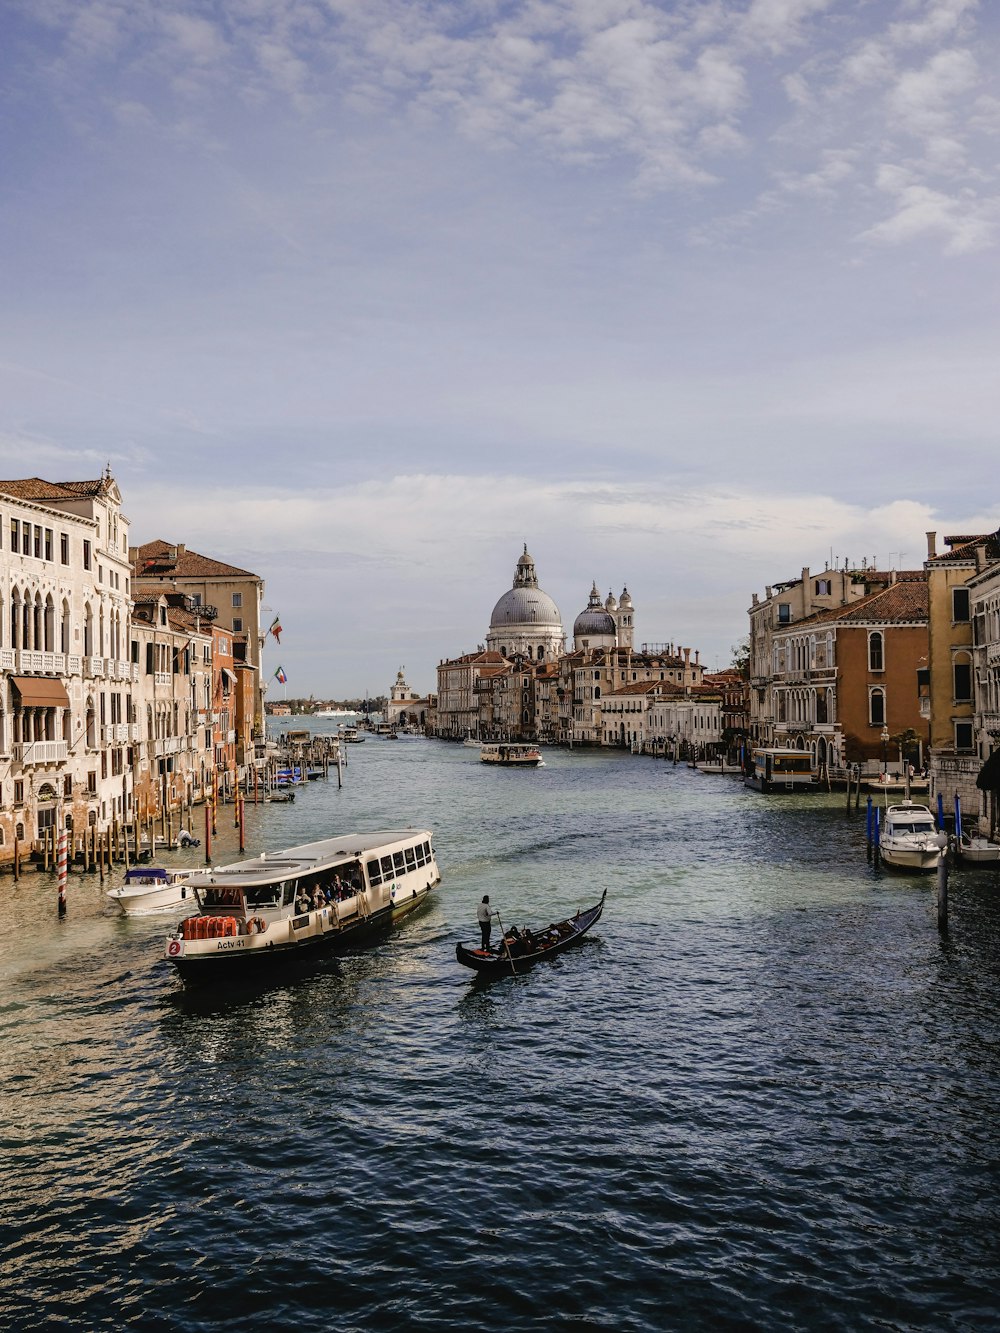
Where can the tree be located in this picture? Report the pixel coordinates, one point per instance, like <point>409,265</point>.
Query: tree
<point>741,657</point>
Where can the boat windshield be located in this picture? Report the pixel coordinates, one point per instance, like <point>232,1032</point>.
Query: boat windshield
<point>912,826</point>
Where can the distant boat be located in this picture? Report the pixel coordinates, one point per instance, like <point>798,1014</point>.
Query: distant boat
<point>510,755</point>
<point>335,712</point>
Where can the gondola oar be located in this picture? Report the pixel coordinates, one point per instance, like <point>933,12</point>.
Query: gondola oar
<point>506,946</point>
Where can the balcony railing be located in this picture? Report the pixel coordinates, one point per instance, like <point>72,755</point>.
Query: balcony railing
<point>30,660</point>
<point>41,752</point>
<point>991,723</point>
<point>93,666</point>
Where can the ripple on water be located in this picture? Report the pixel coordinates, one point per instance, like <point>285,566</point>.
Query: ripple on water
<point>761,1095</point>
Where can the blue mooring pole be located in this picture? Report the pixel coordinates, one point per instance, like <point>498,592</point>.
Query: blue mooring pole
<point>878,814</point>
<point>940,810</point>
<point>869,827</point>
<point>958,819</point>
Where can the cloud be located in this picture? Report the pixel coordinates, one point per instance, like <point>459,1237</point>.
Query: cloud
<point>966,223</point>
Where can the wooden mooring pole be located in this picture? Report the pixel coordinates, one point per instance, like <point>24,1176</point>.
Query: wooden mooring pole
<point>942,893</point>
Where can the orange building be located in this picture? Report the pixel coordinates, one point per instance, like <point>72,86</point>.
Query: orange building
<point>845,680</point>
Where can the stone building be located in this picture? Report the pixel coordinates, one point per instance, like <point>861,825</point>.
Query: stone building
<point>66,678</point>
<point>233,594</point>
<point>984,592</point>
<point>173,760</point>
<point>954,755</point>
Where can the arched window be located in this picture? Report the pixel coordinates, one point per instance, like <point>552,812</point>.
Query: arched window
<point>876,708</point>
<point>875,653</point>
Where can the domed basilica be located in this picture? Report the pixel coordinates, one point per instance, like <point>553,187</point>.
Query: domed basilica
<point>526,621</point>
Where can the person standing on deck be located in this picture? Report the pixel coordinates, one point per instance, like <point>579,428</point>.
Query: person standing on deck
<point>485,916</point>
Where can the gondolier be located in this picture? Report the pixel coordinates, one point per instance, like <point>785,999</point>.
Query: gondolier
<point>485,915</point>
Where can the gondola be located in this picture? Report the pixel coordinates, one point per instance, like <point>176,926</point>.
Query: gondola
<point>508,957</point>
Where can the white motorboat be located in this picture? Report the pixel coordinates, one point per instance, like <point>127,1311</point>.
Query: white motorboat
<point>148,890</point>
<point>909,839</point>
<point>305,901</point>
<point>978,850</point>
<point>510,754</point>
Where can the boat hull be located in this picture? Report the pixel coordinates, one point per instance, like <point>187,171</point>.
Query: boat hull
<point>248,955</point>
<point>911,860</point>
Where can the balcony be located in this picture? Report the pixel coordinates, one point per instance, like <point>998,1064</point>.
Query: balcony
<point>41,752</point>
<point>93,667</point>
<point>991,723</point>
<point>6,659</point>
<point>54,663</point>
<point>163,677</point>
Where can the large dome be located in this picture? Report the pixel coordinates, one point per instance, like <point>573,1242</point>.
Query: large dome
<point>526,621</point>
<point>525,606</point>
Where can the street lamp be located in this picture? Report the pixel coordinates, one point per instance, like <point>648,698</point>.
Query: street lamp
<point>885,741</point>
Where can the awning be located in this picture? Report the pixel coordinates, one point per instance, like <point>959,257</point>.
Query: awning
<point>989,774</point>
<point>40,692</point>
<point>229,675</point>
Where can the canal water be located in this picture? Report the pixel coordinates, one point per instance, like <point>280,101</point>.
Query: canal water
<point>762,1095</point>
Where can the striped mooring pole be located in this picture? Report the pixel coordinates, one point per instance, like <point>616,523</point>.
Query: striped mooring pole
<point>62,866</point>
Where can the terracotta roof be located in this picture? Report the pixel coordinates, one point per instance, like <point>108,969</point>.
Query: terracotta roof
<point>34,488</point>
<point>964,548</point>
<point>162,559</point>
<point>903,603</point>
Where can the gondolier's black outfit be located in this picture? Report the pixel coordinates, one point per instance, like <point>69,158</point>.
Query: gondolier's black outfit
<point>485,920</point>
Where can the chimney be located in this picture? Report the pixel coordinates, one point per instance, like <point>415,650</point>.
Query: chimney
<point>980,558</point>
<point>687,656</point>
<point>806,593</point>
<point>931,545</point>
<point>697,655</point>
<point>893,573</point>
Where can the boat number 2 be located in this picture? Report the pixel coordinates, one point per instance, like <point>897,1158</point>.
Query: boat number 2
<point>174,948</point>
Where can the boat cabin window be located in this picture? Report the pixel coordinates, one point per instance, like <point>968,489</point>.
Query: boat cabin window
<point>411,860</point>
<point>387,867</point>
<point>289,894</point>
<point>223,897</point>
<point>374,872</point>
<point>792,763</point>
<point>398,863</point>
<point>264,895</point>
<point>427,851</point>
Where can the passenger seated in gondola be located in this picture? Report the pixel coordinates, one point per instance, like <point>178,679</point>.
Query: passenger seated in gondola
<point>513,942</point>
<point>528,942</point>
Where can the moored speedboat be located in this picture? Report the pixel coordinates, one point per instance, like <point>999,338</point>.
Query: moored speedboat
<point>307,900</point>
<point>909,840</point>
<point>978,850</point>
<point>510,755</point>
<point>147,891</point>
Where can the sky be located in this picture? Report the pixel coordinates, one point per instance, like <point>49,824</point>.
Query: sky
<point>364,295</point>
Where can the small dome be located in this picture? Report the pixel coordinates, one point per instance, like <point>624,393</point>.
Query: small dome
<point>594,620</point>
<point>626,600</point>
<point>611,604</point>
